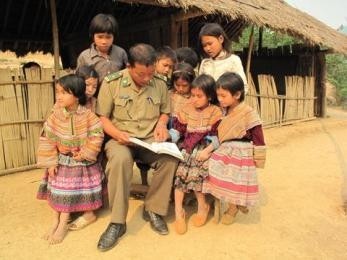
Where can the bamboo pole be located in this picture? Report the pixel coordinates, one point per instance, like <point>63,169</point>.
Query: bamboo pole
<point>249,55</point>
<point>26,82</point>
<point>18,169</point>
<point>322,84</point>
<point>55,35</point>
<point>260,40</point>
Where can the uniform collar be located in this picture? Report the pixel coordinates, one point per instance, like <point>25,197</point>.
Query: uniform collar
<point>128,81</point>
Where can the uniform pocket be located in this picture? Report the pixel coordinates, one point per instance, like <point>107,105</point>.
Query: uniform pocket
<point>152,107</point>
<point>121,108</point>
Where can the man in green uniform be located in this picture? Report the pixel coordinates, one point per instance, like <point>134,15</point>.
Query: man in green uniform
<point>134,103</point>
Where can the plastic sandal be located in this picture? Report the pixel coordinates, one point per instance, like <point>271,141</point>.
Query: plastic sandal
<point>80,223</point>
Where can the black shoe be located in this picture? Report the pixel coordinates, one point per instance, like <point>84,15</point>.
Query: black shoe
<point>157,222</point>
<point>111,235</point>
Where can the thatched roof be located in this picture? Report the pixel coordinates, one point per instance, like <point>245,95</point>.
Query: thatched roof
<point>274,14</point>
<point>25,25</point>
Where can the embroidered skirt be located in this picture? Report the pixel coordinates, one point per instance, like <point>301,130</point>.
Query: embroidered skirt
<point>190,172</point>
<point>232,174</point>
<point>75,187</point>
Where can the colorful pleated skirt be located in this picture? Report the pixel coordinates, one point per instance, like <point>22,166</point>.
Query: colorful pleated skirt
<point>232,174</point>
<point>75,187</point>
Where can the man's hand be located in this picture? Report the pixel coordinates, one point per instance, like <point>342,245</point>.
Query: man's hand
<point>161,134</point>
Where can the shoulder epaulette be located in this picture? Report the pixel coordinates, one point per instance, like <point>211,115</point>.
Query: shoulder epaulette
<point>113,76</point>
<point>159,76</point>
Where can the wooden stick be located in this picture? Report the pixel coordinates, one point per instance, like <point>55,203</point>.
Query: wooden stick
<point>55,36</point>
<point>26,82</point>
<point>18,169</point>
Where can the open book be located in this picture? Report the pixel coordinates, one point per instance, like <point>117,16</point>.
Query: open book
<point>162,147</point>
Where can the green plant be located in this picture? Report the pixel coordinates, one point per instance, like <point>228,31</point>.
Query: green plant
<point>337,73</point>
<point>270,38</point>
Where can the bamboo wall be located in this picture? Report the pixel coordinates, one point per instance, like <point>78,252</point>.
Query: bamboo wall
<point>275,110</point>
<point>24,105</point>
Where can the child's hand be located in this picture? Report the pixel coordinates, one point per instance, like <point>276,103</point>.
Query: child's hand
<point>52,171</point>
<point>203,155</point>
<point>77,156</point>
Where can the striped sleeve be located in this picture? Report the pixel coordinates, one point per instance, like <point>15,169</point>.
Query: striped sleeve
<point>91,148</point>
<point>47,153</point>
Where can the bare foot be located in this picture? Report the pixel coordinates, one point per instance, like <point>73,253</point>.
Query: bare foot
<point>59,233</point>
<point>51,230</point>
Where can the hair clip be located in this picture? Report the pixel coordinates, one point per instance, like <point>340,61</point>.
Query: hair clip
<point>182,71</point>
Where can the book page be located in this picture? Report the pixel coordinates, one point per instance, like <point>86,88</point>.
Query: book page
<point>162,147</point>
<point>168,148</point>
<point>142,143</point>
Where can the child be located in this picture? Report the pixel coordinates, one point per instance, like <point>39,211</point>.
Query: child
<point>215,44</point>
<point>194,123</point>
<point>187,55</point>
<point>232,167</point>
<point>68,147</point>
<point>182,78</point>
<point>103,54</point>
<point>166,59</point>
<point>90,76</point>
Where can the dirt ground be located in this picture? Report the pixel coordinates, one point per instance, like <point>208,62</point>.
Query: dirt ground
<point>300,214</point>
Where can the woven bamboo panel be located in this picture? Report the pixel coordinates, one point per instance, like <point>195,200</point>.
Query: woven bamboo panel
<point>13,137</point>
<point>269,106</point>
<point>20,102</point>
<point>297,90</point>
<point>39,104</point>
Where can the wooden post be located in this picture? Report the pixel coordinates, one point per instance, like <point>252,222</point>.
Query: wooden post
<point>249,55</point>
<point>173,32</point>
<point>322,84</point>
<point>185,33</point>
<point>55,35</point>
<point>260,40</point>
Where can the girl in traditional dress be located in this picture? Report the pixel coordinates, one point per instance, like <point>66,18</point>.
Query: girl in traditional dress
<point>91,78</point>
<point>232,167</point>
<point>68,149</point>
<point>196,121</point>
<point>182,78</point>
<point>215,45</point>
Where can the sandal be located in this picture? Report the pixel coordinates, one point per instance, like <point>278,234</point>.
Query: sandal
<point>243,209</point>
<point>80,223</point>
<point>228,218</point>
<point>180,224</point>
<point>200,220</point>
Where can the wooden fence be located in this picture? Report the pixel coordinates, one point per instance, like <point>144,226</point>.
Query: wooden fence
<point>26,101</point>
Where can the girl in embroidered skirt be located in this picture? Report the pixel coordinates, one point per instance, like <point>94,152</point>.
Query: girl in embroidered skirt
<point>215,45</point>
<point>182,77</point>
<point>195,121</point>
<point>91,78</point>
<point>232,167</point>
<point>68,148</point>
